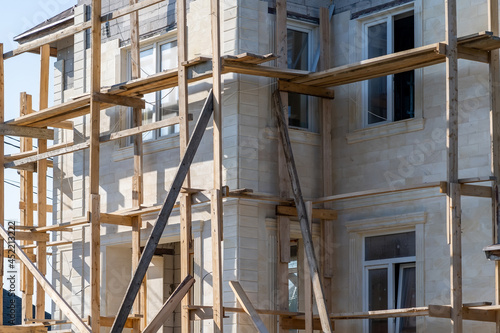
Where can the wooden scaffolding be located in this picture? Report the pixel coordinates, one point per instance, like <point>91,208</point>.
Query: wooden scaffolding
<point>481,47</point>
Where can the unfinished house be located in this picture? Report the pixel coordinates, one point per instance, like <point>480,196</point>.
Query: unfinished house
<point>270,166</point>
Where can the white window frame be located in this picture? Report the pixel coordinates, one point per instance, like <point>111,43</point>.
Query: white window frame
<point>387,17</point>
<point>358,230</point>
<point>156,46</point>
<point>389,264</point>
<point>313,40</point>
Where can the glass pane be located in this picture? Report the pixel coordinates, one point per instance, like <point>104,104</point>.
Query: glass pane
<point>404,83</point>
<point>169,97</point>
<point>390,246</point>
<point>377,100</point>
<point>148,67</point>
<point>298,49</point>
<point>293,280</point>
<point>377,298</point>
<point>377,88</point>
<point>298,58</point>
<point>407,299</point>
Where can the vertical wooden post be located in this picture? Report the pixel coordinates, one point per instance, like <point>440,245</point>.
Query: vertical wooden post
<point>284,187</point>
<point>494,77</point>
<point>2,173</point>
<point>137,184</point>
<point>326,137</point>
<point>216,200</point>
<point>282,265</point>
<point>41,254</point>
<point>185,200</point>
<point>308,295</point>
<point>453,195</point>
<point>26,144</point>
<point>95,110</point>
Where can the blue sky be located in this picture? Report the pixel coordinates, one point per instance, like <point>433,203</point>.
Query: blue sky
<point>22,73</point>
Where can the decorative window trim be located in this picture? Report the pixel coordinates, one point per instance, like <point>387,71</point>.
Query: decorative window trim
<point>359,229</point>
<point>356,98</point>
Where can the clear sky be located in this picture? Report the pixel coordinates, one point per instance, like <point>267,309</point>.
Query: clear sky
<point>22,74</point>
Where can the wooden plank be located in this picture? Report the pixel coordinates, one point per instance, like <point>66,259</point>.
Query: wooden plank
<point>379,66</point>
<point>255,196</point>
<point>129,323</point>
<point>48,208</point>
<point>305,89</point>
<point>107,218</point>
<point>247,306</point>
<point>260,70</point>
<point>16,156</point>
<point>304,224</point>
<point>170,305</point>
<point>36,44</point>
<point>53,153</point>
<point>42,179</point>
<point>140,129</point>
<point>28,132</point>
<point>185,198</point>
<point>163,216</point>
<point>453,195</point>
<point>476,191</point>
<point>308,294</point>
<point>131,9</point>
<point>317,213</point>
<point>473,54</point>
<point>67,124</point>
<point>53,110</point>
<point>195,61</point>
<point>376,192</point>
<point>49,289</point>
<point>133,102</point>
<point>216,202</point>
<point>31,236</point>
<point>95,209</point>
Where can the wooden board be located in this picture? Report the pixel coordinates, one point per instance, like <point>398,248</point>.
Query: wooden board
<point>162,219</point>
<point>247,305</point>
<point>317,213</point>
<point>169,306</point>
<point>303,219</point>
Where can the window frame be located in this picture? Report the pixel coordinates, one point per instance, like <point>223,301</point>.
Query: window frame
<point>390,264</point>
<point>156,45</point>
<point>388,18</point>
<point>313,39</point>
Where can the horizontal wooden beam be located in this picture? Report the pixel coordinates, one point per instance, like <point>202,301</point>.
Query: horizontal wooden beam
<point>35,158</point>
<point>169,306</point>
<point>141,129</point>
<point>133,102</point>
<point>27,132</point>
<point>473,54</point>
<point>30,46</point>
<point>115,219</point>
<point>484,313</point>
<point>248,194</point>
<point>232,66</point>
<point>53,51</point>
<point>22,205</point>
<point>65,308</point>
<point>49,244</point>
<point>129,323</point>
<point>65,225</point>
<point>17,156</point>
<point>289,323</point>
<point>476,191</point>
<point>324,214</point>
<point>66,124</point>
<point>31,236</point>
<point>305,89</point>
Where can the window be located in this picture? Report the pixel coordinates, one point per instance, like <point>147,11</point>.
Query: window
<point>389,98</point>
<point>161,104</point>
<point>390,280</point>
<point>299,56</point>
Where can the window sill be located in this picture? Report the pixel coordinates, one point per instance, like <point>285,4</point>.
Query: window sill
<point>149,147</point>
<point>380,131</point>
